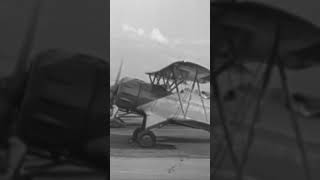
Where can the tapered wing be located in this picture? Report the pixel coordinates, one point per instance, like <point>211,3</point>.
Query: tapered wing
<point>185,71</point>
<point>247,30</point>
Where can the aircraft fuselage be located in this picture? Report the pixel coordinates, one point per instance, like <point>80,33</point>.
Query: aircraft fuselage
<point>133,93</point>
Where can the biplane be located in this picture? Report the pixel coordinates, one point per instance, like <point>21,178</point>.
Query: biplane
<point>56,106</point>
<point>245,33</point>
<point>163,101</point>
<point>62,112</point>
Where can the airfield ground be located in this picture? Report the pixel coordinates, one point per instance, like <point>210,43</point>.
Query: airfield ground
<point>63,172</point>
<point>181,153</point>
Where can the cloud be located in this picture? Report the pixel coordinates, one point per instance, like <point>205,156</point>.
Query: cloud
<point>140,31</point>
<point>156,35</point>
<point>128,28</point>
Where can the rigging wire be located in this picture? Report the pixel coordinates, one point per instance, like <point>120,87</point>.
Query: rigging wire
<point>221,112</point>
<point>293,120</point>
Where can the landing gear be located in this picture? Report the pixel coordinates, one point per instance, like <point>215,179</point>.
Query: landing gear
<point>135,133</point>
<point>145,138</point>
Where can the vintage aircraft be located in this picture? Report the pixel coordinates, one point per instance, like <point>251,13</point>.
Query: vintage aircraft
<point>162,101</point>
<point>56,105</point>
<point>62,110</point>
<point>246,32</point>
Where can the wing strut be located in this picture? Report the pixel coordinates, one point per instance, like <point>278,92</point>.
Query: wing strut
<point>177,88</point>
<point>193,84</point>
<point>150,79</point>
<point>204,108</point>
<point>175,84</point>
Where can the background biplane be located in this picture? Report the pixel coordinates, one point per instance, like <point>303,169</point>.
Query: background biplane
<point>64,102</point>
<point>57,107</point>
<point>162,101</point>
<point>62,111</point>
<point>261,144</point>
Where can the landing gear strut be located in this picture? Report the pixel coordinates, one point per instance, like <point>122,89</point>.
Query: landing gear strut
<point>135,133</point>
<point>144,137</point>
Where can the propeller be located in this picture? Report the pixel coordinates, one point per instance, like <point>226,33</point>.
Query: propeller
<point>28,42</point>
<point>114,88</point>
<point>17,80</point>
<point>11,97</point>
<point>119,73</point>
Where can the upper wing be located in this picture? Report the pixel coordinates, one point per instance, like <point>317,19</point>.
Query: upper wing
<point>185,71</point>
<point>248,30</point>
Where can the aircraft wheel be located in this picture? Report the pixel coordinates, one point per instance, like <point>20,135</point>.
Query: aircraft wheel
<point>135,133</point>
<point>146,139</point>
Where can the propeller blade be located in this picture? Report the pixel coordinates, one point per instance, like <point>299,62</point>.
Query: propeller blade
<point>28,42</point>
<point>119,73</point>
<point>114,88</point>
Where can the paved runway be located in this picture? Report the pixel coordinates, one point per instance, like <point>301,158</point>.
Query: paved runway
<point>159,168</point>
<point>180,153</point>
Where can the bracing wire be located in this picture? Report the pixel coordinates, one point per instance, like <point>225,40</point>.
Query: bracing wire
<point>294,121</point>
<point>221,111</point>
<point>295,124</point>
<point>256,115</point>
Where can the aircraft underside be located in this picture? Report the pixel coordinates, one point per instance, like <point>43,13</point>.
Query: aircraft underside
<point>193,113</point>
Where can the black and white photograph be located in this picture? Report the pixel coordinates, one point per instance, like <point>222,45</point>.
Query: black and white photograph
<point>265,55</point>
<point>54,71</point>
<point>159,89</point>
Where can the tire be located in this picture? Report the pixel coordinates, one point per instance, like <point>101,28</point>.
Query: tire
<point>135,133</point>
<point>146,139</point>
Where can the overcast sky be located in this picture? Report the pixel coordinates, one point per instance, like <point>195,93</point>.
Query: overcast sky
<point>77,25</point>
<point>300,81</point>
<point>150,34</point>
<point>147,34</point>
